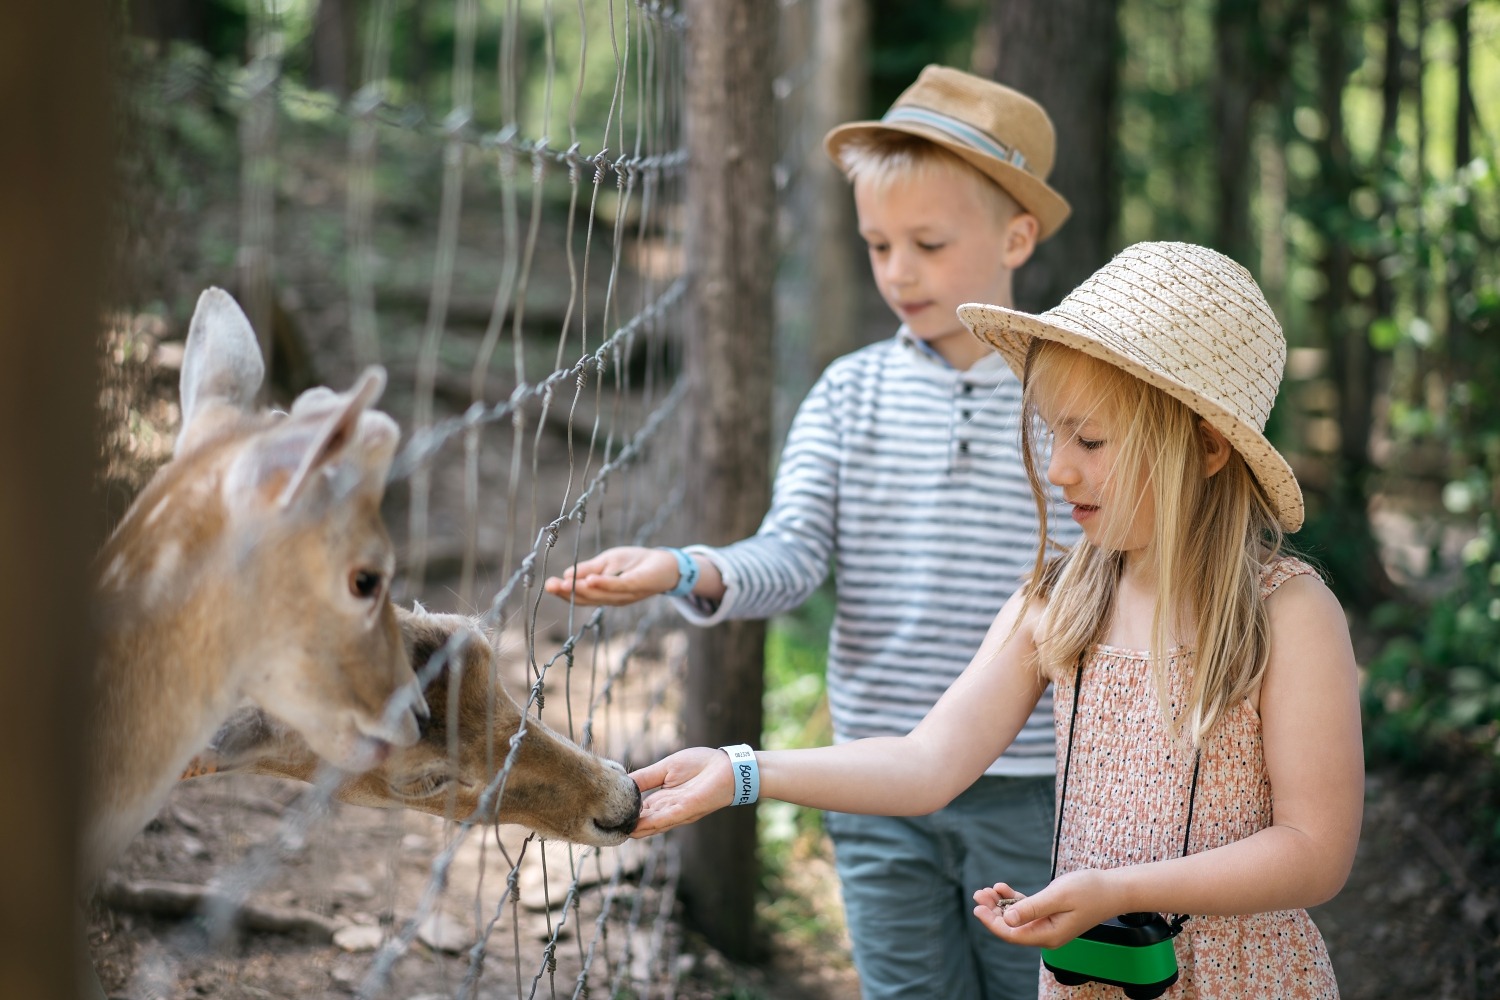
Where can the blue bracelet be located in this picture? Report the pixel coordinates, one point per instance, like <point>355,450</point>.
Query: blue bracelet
<point>746,774</point>
<point>687,573</point>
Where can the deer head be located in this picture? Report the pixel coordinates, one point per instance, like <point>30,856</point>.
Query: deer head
<point>254,565</point>
<point>554,787</point>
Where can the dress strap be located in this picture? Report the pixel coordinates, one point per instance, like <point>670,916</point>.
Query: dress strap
<point>1282,570</point>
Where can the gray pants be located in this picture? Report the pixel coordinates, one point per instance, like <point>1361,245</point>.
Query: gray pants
<point>908,885</point>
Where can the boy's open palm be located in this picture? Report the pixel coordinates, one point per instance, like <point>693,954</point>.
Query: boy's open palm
<point>684,788</point>
<point>617,576</point>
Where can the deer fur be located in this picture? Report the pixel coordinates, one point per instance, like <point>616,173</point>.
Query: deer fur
<point>554,787</point>
<point>254,565</point>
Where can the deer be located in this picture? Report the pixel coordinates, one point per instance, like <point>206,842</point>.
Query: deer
<point>253,565</point>
<point>554,787</point>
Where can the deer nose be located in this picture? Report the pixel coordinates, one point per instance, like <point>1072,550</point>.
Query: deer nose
<point>405,718</point>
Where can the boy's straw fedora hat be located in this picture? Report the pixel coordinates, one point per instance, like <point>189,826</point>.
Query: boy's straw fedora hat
<point>1001,132</point>
<point>1189,321</point>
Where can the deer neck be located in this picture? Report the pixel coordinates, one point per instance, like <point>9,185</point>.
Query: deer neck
<point>170,662</point>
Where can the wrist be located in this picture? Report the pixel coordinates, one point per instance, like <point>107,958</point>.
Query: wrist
<point>687,572</point>
<point>744,775</point>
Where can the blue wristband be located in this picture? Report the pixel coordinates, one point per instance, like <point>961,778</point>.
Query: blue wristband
<point>746,774</point>
<point>687,573</point>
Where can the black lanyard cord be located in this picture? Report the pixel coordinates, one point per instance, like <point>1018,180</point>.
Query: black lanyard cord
<point>1062,801</point>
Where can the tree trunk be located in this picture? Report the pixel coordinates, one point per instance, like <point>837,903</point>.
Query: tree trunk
<point>841,89</point>
<point>1235,28</point>
<point>731,244</point>
<point>168,20</point>
<point>335,47</point>
<point>1352,552</point>
<point>1079,94</point>
<point>55,184</point>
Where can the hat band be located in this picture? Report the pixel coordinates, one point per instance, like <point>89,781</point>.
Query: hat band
<point>959,131</point>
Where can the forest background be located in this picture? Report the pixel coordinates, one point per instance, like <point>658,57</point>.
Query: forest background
<point>1335,147</point>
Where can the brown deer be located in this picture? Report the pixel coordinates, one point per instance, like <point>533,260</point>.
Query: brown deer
<point>254,565</point>
<point>554,787</point>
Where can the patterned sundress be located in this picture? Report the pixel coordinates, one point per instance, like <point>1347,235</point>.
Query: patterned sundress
<point>1127,804</point>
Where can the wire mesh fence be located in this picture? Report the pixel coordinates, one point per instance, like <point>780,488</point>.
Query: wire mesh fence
<point>502,230</point>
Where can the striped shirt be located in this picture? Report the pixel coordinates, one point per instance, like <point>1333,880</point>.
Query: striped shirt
<point>906,474</point>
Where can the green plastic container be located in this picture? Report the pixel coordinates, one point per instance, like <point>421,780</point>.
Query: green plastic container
<point>1133,951</point>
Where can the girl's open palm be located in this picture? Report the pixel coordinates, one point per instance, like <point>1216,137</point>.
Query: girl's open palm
<point>683,788</point>
<point>1050,918</point>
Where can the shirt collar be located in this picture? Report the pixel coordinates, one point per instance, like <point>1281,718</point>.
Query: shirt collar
<point>990,364</point>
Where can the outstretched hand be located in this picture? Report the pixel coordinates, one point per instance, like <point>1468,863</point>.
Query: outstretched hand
<point>617,576</point>
<point>683,788</point>
<point>1051,918</point>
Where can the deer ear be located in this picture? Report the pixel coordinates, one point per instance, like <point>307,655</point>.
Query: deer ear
<point>221,365</point>
<point>333,433</point>
<point>247,734</point>
<point>348,434</point>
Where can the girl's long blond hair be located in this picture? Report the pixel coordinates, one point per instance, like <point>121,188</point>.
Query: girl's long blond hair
<point>1213,535</point>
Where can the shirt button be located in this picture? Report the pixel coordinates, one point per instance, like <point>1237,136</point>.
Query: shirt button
<point>963,447</point>
<point>968,389</point>
<point>965,414</point>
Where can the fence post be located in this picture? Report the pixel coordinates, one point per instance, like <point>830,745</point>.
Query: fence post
<point>732,249</point>
<point>54,199</point>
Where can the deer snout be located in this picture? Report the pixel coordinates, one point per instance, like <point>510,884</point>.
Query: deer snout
<point>622,807</point>
<point>405,717</point>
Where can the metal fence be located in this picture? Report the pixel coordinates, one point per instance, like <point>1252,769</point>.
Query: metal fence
<point>505,235</point>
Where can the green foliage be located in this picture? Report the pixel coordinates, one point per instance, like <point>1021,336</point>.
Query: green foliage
<point>1433,691</point>
<point>904,37</point>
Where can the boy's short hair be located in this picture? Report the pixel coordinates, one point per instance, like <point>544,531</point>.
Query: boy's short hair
<point>1000,132</point>
<point>883,157</point>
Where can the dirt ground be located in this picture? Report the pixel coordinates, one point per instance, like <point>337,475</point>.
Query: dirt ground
<point>1420,916</point>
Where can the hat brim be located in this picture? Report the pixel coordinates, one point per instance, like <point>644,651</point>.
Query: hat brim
<point>1036,197</point>
<point>1010,332</point>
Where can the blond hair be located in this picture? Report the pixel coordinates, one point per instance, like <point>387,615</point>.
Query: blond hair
<point>1212,537</point>
<point>884,157</point>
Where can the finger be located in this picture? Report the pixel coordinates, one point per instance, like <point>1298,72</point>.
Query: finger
<point>1023,911</point>
<point>650,777</point>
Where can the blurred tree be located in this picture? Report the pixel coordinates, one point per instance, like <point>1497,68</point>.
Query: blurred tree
<point>216,26</point>
<point>1342,522</point>
<point>905,36</point>
<point>841,85</point>
<point>335,46</point>
<point>1078,91</point>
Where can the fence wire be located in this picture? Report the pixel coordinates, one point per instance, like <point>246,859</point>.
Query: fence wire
<point>504,234</point>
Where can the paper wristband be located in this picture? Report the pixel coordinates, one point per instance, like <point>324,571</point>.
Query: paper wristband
<point>746,774</point>
<point>687,573</point>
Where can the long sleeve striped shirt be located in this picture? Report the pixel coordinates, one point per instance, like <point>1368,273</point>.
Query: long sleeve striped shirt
<point>905,474</point>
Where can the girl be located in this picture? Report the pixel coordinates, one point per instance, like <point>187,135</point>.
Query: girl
<point>1206,703</point>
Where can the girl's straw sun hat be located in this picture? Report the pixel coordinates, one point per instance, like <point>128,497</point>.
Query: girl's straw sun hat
<point>1185,319</point>
<point>1001,132</point>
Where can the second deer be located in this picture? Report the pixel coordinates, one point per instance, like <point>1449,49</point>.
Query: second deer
<point>553,786</point>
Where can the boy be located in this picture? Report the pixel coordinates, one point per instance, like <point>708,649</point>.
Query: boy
<point>902,467</point>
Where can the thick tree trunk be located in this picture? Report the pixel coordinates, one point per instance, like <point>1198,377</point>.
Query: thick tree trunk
<point>731,244</point>
<point>54,198</point>
<point>1078,91</point>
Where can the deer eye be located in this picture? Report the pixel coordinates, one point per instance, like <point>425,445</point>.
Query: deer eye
<point>364,583</point>
<point>422,786</point>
